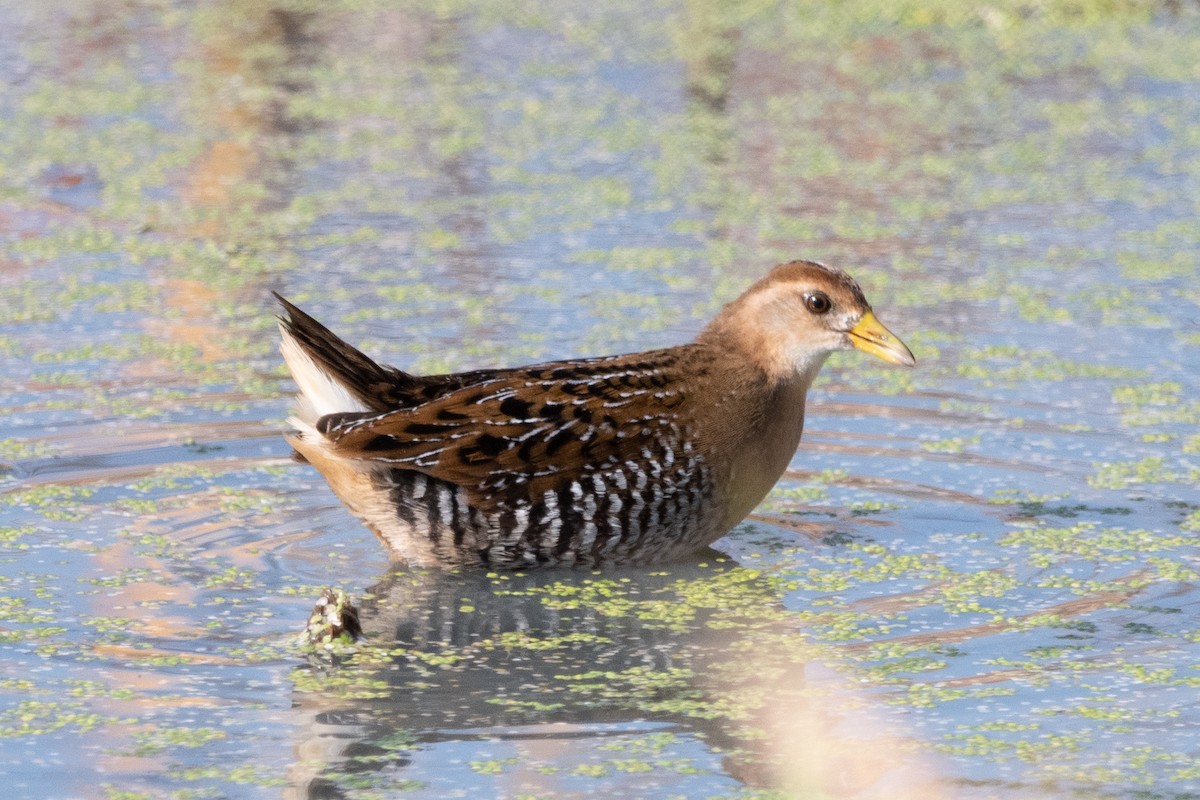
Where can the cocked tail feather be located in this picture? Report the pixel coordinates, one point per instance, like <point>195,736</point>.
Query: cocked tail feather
<point>333,376</point>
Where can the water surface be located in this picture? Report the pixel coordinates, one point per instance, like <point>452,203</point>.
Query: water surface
<point>978,580</point>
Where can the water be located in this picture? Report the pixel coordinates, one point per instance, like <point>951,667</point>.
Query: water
<point>978,579</point>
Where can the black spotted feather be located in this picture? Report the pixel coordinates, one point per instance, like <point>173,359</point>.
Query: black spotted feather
<point>519,433</point>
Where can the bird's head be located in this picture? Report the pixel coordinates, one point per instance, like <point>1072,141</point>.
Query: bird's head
<point>800,312</point>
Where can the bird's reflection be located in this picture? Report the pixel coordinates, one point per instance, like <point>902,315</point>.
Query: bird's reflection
<point>704,649</point>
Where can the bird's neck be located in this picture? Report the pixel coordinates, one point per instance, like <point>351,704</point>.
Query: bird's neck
<point>756,426</point>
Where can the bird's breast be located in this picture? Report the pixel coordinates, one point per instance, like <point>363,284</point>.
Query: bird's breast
<point>761,455</point>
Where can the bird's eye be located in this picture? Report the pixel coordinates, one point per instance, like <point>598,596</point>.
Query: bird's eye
<point>818,302</point>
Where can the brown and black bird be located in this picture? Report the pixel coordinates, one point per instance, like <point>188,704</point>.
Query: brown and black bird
<point>634,458</point>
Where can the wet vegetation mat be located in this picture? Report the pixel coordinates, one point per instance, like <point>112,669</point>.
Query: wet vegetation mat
<point>978,580</point>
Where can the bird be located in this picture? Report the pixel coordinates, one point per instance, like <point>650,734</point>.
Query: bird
<point>633,459</point>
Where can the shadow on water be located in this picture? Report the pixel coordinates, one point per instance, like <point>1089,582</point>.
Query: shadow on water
<point>568,675</point>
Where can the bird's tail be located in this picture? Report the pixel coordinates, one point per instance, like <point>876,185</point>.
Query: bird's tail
<point>333,377</point>
<point>336,379</point>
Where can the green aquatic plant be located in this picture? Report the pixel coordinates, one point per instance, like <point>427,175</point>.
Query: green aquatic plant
<point>1148,470</point>
<point>1089,541</point>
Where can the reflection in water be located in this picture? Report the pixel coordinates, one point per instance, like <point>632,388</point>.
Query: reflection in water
<point>261,51</point>
<point>255,61</point>
<point>559,667</point>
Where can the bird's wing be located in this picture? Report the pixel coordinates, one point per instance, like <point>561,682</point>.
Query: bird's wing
<point>517,434</point>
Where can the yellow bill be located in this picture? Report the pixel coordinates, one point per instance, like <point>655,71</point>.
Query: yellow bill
<point>870,336</point>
